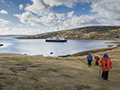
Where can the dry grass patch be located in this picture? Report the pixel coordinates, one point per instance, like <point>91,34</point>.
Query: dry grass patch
<point>22,72</point>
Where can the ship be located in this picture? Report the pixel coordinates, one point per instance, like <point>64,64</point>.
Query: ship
<point>56,39</point>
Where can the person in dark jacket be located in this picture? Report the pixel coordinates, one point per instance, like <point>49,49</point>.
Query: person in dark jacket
<point>106,64</point>
<point>96,60</point>
<point>89,59</point>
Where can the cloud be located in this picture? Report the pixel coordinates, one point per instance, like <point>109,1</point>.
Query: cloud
<point>83,8</point>
<point>109,9</point>
<point>40,13</point>
<point>70,14</point>
<point>49,20</point>
<point>11,3</point>
<point>45,16</point>
<point>84,20</point>
<point>67,3</point>
<point>3,12</point>
<point>11,30</point>
<point>59,23</point>
<point>20,25</point>
<point>60,16</point>
<point>3,22</point>
<point>38,7</point>
<point>42,7</point>
<point>29,18</point>
<point>21,6</point>
<point>26,30</point>
<point>3,1</point>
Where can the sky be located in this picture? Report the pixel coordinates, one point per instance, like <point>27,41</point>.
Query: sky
<point>42,16</point>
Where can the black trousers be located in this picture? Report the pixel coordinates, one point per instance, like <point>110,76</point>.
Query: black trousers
<point>105,75</point>
<point>89,62</point>
<point>96,63</point>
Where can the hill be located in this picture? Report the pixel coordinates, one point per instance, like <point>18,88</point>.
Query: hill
<point>86,33</point>
<point>23,72</point>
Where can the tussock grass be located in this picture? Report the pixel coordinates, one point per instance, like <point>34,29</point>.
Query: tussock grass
<point>23,72</point>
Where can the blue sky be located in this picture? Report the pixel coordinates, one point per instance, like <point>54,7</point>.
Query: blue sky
<point>41,16</point>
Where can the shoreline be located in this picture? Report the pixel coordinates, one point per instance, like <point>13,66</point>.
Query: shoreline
<point>94,51</point>
<point>69,38</point>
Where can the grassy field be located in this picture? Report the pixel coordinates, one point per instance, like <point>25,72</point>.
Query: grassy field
<point>23,72</point>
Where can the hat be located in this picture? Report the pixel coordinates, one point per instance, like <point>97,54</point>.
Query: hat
<point>105,54</point>
<point>89,53</point>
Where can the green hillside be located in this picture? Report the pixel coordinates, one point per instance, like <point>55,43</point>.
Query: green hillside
<point>86,33</point>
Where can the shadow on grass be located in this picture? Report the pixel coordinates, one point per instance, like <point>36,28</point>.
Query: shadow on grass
<point>64,56</point>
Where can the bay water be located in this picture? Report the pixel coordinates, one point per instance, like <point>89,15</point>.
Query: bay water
<point>40,47</point>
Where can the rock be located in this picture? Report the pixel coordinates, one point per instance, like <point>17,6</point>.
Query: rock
<point>1,44</point>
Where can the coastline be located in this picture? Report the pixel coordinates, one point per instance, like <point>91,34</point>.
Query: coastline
<point>71,38</point>
<point>94,51</point>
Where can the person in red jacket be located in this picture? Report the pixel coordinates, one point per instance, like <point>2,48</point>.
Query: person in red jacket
<point>96,60</point>
<point>106,64</point>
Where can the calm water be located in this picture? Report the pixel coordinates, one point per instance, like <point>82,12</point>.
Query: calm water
<point>40,47</point>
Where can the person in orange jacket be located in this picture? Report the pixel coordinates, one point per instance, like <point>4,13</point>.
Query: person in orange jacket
<point>106,64</point>
<point>96,59</point>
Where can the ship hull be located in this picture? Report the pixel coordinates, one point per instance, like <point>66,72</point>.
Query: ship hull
<point>56,40</point>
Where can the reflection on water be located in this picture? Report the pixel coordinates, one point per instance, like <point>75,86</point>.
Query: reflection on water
<point>40,47</point>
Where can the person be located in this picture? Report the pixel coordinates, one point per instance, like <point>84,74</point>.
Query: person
<point>106,64</point>
<point>89,59</point>
<point>96,60</point>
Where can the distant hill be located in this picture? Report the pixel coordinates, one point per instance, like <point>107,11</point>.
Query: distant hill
<point>86,33</point>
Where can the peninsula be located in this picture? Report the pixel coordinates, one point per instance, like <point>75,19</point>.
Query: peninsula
<point>85,33</point>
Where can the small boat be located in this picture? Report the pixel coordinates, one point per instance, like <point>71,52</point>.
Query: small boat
<point>58,39</point>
